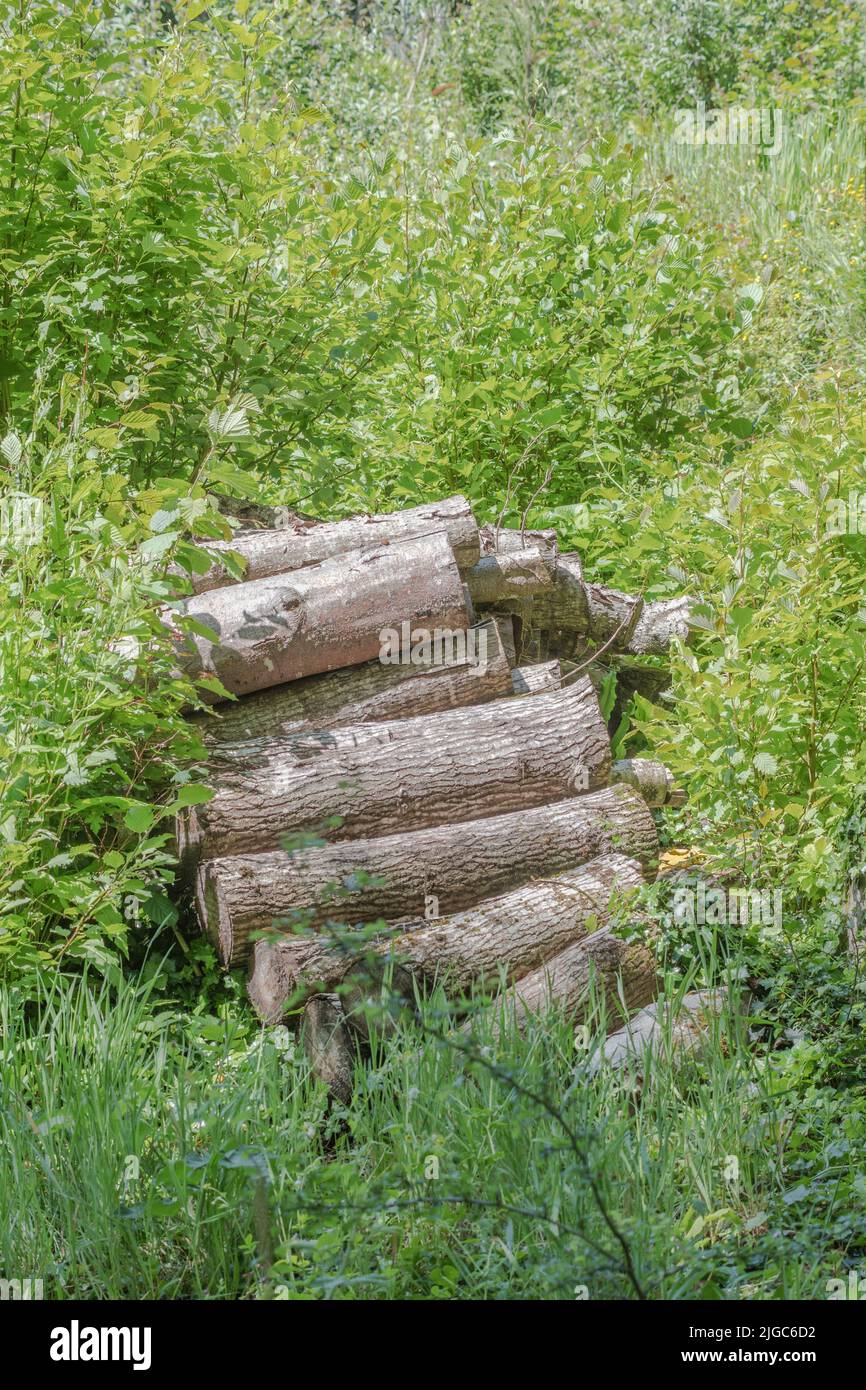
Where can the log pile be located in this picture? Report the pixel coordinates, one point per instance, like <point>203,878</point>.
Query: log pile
<point>416,742</point>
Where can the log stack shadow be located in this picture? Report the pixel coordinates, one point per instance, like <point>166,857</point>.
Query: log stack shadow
<point>417,742</point>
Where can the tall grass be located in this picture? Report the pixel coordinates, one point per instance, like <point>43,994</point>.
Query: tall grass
<point>146,1155</point>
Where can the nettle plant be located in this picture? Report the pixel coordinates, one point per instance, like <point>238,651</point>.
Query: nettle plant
<point>767,727</point>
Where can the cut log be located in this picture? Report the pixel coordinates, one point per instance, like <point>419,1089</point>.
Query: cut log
<point>661,1032</point>
<point>620,969</point>
<point>281,550</point>
<point>653,780</point>
<point>328,1045</point>
<point>514,932</point>
<point>515,574</point>
<point>590,610</point>
<point>325,616</point>
<point>659,623</point>
<point>442,869</point>
<point>534,680</point>
<point>504,540</point>
<point>370,693</point>
<point>405,774</point>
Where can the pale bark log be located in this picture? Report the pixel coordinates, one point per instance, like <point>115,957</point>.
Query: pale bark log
<point>659,623</point>
<point>328,1045</point>
<point>577,610</point>
<point>514,932</point>
<point>443,869</point>
<point>565,980</point>
<point>591,610</point>
<point>515,574</point>
<point>278,551</point>
<point>653,780</point>
<point>325,616</point>
<point>402,775</point>
<point>533,680</point>
<point>368,694</point>
<point>505,540</point>
<point>661,1033</point>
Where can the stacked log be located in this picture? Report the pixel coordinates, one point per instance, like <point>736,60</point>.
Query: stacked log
<point>391,760</point>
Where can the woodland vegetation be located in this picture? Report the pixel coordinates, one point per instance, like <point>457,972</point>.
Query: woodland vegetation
<point>359,258</point>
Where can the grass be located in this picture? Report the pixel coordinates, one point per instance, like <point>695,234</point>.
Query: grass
<point>146,1155</point>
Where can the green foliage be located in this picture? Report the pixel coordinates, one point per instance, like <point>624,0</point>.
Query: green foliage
<point>95,755</point>
<point>767,728</point>
<point>261,249</point>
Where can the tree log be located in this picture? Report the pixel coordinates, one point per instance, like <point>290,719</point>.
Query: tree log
<point>324,616</point>
<point>590,610</point>
<point>368,694</point>
<point>328,1045</point>
<point>662,1033</point>
<point>514,574</point>
<point>659,623</point>
<point>653,780</point>
<point>565,980</point>
<point>442,869</point>
<point>516,931</point>
<point>504,540</point>
<point>405,774</point>
<point>286,549</point>
<point>533,680</point>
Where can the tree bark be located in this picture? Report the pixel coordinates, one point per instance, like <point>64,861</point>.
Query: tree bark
<point>402,775</point>
<point>293,547</point>
<point>367,694</point>
<point>575,610</point>
<point>590,610</point>
<point>328,1045</point>
<point>443,869</point>
<point>514,574</point>
<point>659,623</point>
<point>514,932</point>
<point>324,616</point>
<point>505,540</point>
<point>533,680</point>
<point>659,1033</point>
<point>565,980</point>
<point>653,780</point>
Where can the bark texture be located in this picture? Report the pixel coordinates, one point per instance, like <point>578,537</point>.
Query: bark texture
<point>590,610</point>
<point>514,932</point>
<point>405,774</point>
<point>288,548</point>
<point>367,694</point>
<point>566,979</point>
<point>661,1032</point>
<point>442,869</point>
<point>653,780</point>
<point>328,1044</point>
<point>324,616</point>
<point>533,680</point>
<point>513,575</point>
<point>504,540</point>
<point>659,623</point>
